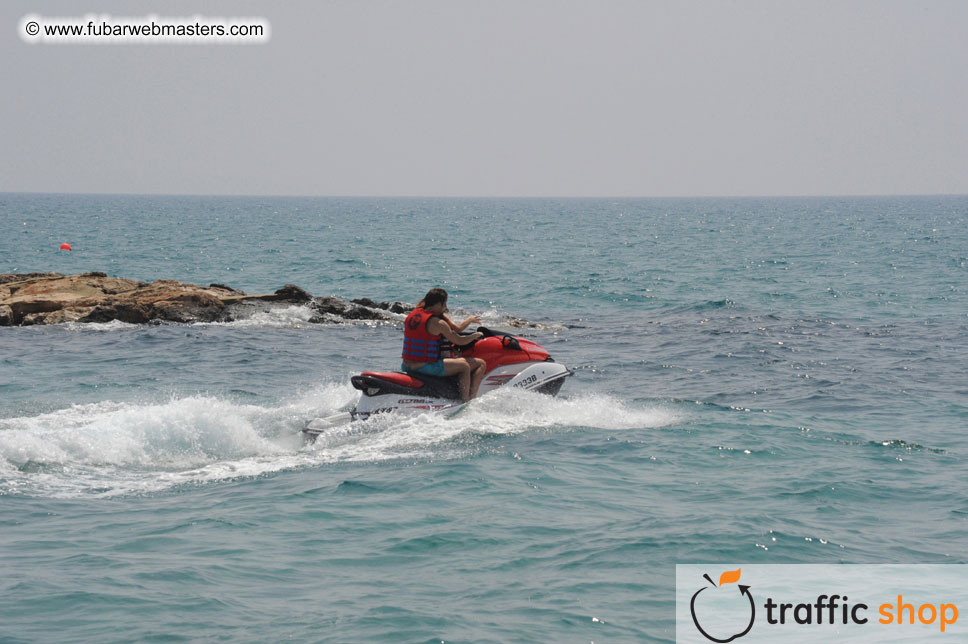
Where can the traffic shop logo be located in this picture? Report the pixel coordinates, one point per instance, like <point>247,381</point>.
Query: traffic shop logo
<point>708,603</point>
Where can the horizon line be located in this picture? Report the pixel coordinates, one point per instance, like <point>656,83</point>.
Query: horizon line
<point>362,196</point>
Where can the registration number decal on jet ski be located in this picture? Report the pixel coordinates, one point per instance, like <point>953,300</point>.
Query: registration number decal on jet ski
<point>527,381</point>
<point>413,401</point>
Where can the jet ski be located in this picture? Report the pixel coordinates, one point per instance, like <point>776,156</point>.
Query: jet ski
<point>512,361</point>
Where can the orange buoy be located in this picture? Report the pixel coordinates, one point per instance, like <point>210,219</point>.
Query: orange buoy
<point>65,246</point>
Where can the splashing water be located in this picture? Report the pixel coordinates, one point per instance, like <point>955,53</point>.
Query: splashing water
<point>111,448</point>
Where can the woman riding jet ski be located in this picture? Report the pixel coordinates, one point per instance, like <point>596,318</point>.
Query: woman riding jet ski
<point>422,333</point>
<point>488,360</point>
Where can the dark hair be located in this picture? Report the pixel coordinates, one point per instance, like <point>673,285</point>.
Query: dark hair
<point>433,296</point>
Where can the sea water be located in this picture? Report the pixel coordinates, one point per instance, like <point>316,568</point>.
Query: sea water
<point>767,380</point>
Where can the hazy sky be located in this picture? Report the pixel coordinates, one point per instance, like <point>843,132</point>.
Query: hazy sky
<point>508,98</point>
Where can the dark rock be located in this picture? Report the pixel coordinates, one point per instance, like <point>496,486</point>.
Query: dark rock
<point>130,312</point>
<point>347,310</point>
<point>393,307</point>
<point>331,305</point>
<point>227,288</point>
<point>32,319</point>
<point>189,307</point>
<point>292,293</point>
<point>20,310</point>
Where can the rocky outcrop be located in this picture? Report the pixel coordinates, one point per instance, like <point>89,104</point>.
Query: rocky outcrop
<point>52,298</point>
<point>18,277</point>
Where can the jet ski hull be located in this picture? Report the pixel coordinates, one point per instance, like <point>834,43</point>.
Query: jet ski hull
<point>512,363</point>
<point>437,394</point>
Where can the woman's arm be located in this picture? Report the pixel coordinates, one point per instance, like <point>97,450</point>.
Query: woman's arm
<point>473,319</point>
<point>442,327</point>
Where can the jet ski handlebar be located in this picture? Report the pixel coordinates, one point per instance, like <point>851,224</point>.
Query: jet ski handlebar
<point>507,341</point>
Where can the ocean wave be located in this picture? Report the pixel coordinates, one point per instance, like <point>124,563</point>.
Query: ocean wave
<point>275,317</point>
<point>113,325</point>
<point>724,303</point>
<point>110,448</point>
<point>504,412</point>
<point>117,448</point>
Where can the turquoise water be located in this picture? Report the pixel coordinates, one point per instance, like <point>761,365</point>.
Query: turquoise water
<point>757,380</point>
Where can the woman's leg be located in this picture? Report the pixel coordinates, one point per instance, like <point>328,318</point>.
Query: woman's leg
<point>478,367</point>
<point>460,368</point>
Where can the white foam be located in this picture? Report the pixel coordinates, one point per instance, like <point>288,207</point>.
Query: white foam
<point>116,448</point>
<point>111,448</point>
<point>300,316</point>
<point>113,325</point>
<point>506,411</point>
<point>598,411</point>
<point>296,315</point>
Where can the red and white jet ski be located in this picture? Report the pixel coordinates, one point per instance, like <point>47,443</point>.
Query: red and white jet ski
<point>511,362</point>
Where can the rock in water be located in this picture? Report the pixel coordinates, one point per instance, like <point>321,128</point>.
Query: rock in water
<point>52,298</point>
<point>392,307</point>
<point>347,310</point>
<point>188,307</point>
<point>292,293</point>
